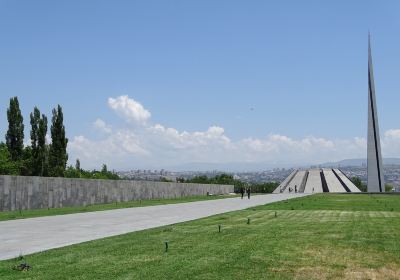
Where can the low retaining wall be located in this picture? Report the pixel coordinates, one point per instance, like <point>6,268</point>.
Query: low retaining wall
<point>20,192</point>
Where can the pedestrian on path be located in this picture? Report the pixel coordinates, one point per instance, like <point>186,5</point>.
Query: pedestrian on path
<point>248,193</point>
<point>242,191</point>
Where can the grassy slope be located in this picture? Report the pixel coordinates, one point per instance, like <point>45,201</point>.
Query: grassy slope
<point>12,215</point>
<point>324,237</point>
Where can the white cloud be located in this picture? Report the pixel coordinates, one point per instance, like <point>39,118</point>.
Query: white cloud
<point>281,148</point>
<point>129,109</point>
<point>391,143</point>
<point>101,125</point>
<point>117,148</point>
<point>184,140</point>
<point>159,146</point>
<point>392,134</point>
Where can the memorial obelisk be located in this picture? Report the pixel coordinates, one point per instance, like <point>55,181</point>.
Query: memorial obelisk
<point>374,161</point>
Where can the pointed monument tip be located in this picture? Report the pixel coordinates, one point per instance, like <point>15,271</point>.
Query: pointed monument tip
<point>369,41</point>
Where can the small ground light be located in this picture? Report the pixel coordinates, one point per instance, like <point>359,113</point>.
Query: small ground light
<point>166,246</point>
<point>248,221</point>
<point>219,228</point>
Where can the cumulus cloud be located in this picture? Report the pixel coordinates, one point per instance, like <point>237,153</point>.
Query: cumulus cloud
<point>281,148</point>
<point>391,143</point>
<point>122,146</point>
<point>129,109</point>
<point>183,140</point>
<point>160,146</point>
<point>392,134</point>
<point>101,125</point>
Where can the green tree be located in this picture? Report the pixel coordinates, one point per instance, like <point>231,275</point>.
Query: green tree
<point>78,172</point>
<point>43,149</point>
<point>58,156</point>
<point>15,132</point>
<point>388,187</point>
<point>38,143</point>
<point>25,163</point>
<point>268,187</point>
<point>180,180</point>
<point>78,164</point>
<point>72,172</point>
<point>357,181</point>
<point>222,179</point>
<point>7,166</point>
<point>35,118</point>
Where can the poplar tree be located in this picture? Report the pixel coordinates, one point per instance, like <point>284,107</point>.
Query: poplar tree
<point>15,132</point>
<point>78,164</point>
<point>35,118</point>
<point>38,142</point>
<point>58,156</point>
<point>42,147</point>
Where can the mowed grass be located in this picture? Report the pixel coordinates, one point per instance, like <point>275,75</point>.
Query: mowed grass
<point>13,215</point>
<point>345,202</point>
<point>324,237</point>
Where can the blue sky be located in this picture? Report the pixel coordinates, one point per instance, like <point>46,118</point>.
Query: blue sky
<point>296,69</point>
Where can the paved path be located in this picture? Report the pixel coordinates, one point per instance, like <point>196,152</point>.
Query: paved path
<point>38,234</point>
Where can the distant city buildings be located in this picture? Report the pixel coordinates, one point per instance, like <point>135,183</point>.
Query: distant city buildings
<point>391,174</point>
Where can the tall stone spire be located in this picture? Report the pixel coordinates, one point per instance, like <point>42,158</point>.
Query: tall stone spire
<point>375,168</point>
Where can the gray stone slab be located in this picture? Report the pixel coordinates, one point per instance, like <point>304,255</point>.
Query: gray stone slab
<point>314,182</point>
<point>346,181</point>
<point>283,185</point>
<point>334,184</point>
<point>24,192</point>
<point>39,234</point>
<point>296,182</point>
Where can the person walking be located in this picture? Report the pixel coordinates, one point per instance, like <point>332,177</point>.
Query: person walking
<point>248,193</point>
<point>242,191</point>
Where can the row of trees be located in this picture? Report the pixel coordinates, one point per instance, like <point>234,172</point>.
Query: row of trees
<point>226,179</point>
<point>78,172</point>
<point>40,158</point>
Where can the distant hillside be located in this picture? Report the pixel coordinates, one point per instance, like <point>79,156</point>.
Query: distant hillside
<point>360,162</point>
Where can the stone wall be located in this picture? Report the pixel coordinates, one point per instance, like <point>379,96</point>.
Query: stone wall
<point>20,192</point>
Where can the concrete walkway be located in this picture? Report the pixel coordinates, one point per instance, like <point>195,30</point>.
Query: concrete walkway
<point>39,234</point>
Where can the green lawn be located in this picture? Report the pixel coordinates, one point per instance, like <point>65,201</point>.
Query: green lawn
<point>12,215</point>
<point>324,237</point>
<point>343,202</point>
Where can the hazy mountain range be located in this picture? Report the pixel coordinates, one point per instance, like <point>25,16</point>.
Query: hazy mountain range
<point>361,162</point>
